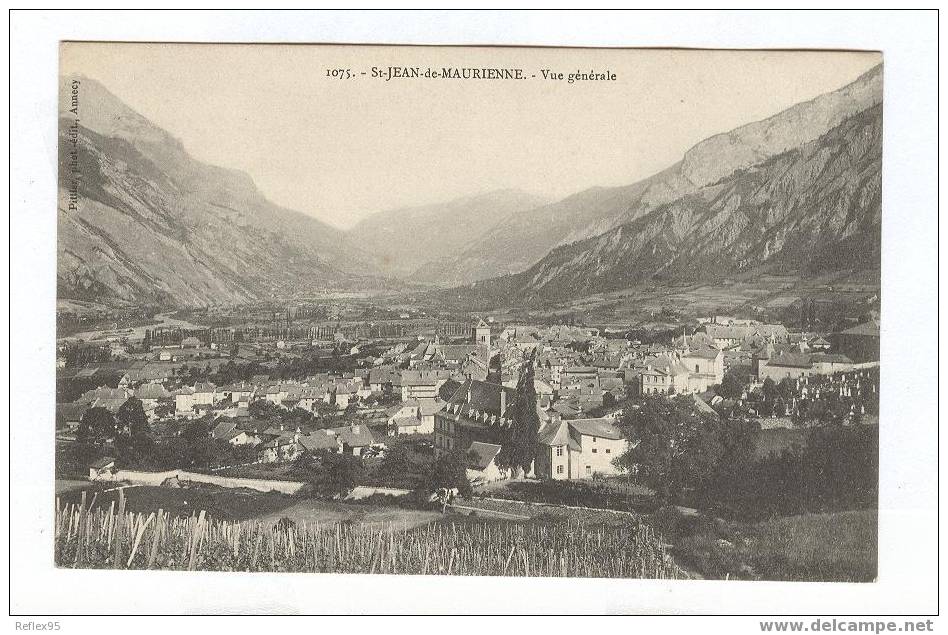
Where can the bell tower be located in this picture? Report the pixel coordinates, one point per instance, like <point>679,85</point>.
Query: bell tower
<point>481,333</point>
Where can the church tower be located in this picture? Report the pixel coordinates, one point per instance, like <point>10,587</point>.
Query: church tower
<point>482,333</point>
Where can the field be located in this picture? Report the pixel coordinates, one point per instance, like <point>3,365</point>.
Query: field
<point>838,547</point>
<point>745,292</point>
<point>118,538</point>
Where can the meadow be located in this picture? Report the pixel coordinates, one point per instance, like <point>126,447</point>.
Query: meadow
<point>831,547</point>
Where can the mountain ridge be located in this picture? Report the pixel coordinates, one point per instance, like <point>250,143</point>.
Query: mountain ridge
<point>808,210</point>
<point>156,225</point>
<point>515,245</point>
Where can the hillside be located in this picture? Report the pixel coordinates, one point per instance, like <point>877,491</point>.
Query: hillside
<point>155,225</point>
<point>522,240</point>
<point>810,210</point>
<point>406,239</point>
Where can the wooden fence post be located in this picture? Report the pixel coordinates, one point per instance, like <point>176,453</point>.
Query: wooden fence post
<point>119,533</point>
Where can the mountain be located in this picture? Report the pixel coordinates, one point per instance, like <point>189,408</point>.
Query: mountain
<point>155,225</point>
<point>410,238</point>
<point>522,240</point>
<point>810,210</point>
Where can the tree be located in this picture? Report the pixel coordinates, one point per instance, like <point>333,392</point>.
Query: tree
<point>130,419</point>
<point>164,409</point>
<point>676,448</point>
<point>519,449</point>
<point>340,474</point>
<point>396,464</point>
<point>202,449</point>
<point>732,386</point>
<point>136,451</point>
<point>449,472</point>
<point>96,426</point>
<point>265,410</point>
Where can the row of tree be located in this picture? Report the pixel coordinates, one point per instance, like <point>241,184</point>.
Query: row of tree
<point>128,437</point>
<point>695,458</point>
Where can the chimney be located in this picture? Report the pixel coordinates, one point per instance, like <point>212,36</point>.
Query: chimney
<point>503,402</point>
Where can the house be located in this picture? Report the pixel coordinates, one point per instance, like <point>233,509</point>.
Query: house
<point>228,430</point>
<point>103,468</point>
<point>103,392</point>
<point>527,343</point>
<point>481,464</point>
<point>705,364</point>
<point>321,440</point>
<point>354,439</point>
<point>572,374</point>
<point>584,391</point>
<point>427,409</point>
<point>205,393</point>
<point>346,393</point>
<point>474,413</point>
<point>241,437</point>
<point>543,388</point>
<point>310,397</point>
<point>381,378</point>
<point>285,447</point>
<point>184,401</point>
<point>276,393</point>
<point>151,394</point>
<point>663,375</point>
<point>413,417</point>
<point>68,415</point>
<point>455,354</point>
<point>403,418</point>
<point>112,405</point>
<point>235,392</point>
<point>578,449</point>
<point>420,384</point>
<point>687,370</point>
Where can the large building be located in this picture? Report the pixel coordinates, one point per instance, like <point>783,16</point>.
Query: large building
<point>687,370</point>
<point>731,335</point>
<point>477,411</point>
<point>860,343</point>
<point>792,364</point>
<point>420,384</point>
<point>578,449</point>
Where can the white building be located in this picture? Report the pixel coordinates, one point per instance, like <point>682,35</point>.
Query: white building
<point>578,449</point>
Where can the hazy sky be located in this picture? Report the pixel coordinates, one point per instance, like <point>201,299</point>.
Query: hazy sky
<point>342,149</point>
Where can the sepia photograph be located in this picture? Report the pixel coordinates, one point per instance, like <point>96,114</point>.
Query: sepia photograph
<point>336,324</point>
<point>355,321</point>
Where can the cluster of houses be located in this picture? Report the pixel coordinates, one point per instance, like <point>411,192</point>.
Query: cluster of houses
<point>462,392</point>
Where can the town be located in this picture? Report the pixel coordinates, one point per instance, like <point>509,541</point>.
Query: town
<point>487,414</point>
